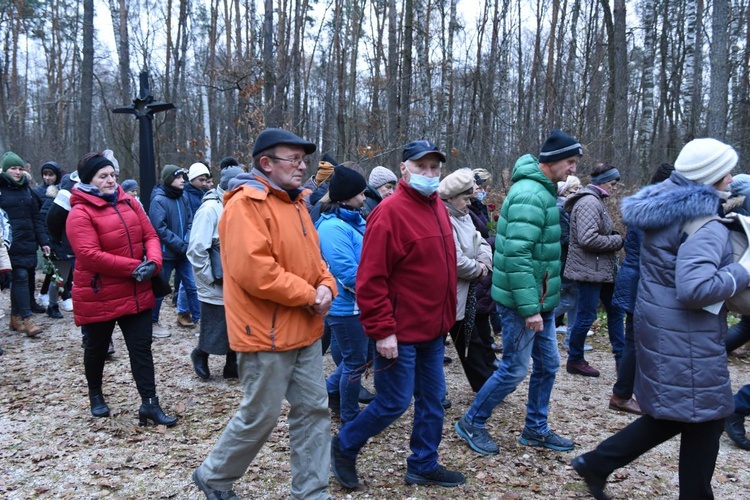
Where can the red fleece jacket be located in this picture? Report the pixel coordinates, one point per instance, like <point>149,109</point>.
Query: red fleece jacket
<point>406,281</point>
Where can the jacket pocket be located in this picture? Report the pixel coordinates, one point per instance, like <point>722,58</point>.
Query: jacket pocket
<point>96,283</point>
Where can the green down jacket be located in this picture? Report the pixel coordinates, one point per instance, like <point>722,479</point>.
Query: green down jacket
<point>526,264</point>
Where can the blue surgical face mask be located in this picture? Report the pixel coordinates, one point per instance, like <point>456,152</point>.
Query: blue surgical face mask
<point>481,195</point>
<point>422,183</point>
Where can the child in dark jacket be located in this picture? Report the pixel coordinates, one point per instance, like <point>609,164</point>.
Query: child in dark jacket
<point>172,218</point>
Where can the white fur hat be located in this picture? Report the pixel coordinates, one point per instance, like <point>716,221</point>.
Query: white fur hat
<point>706,161</point>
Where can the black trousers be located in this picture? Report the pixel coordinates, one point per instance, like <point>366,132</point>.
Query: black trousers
<point>137,330</point>
<point>623,388</point>
<point>699,445</point>
<point>475,362</point>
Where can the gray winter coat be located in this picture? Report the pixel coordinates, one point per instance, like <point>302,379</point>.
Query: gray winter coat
<point>592,250</point>
<point>682,362</point>
<point>203,235</point>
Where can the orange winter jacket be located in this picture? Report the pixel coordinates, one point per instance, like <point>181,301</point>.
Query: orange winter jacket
<point>272,267</point>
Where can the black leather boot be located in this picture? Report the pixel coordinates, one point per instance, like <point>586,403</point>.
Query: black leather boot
<point>98,407</point>
<point>54,312</point>
<point>200,363</point>
<point>230,368</point>
<point>150,410</point>
<point>735,429</point>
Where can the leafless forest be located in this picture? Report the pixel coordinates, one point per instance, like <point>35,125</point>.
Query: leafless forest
<point>486,79</point>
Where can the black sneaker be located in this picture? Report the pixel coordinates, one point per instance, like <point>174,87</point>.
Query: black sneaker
<point>440,476</point>
<point>594,483</point>
<point>477,437</point>
<point>550,440</point>
<point>211,493</point>
<point>446,403</point>
<point>344,468</point>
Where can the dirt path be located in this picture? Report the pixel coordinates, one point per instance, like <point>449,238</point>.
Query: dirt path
<point>50,446</point>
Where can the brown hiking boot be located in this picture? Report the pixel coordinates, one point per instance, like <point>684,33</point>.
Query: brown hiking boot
<point>184,319</point>
<point>16,323</point>
<point>581,368</point>
<point>30,328</point>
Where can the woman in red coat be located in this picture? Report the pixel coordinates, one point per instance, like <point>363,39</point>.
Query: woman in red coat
<point>117,252</point>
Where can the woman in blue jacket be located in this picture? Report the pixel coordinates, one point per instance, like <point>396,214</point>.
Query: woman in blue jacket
<point>341,229</point>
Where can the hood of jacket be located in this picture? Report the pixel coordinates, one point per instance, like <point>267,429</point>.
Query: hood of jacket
<point>676,199</point>
<point>527,167</point>
<point>260,182</point>
<point>572,199</point>
<point>55,168</point>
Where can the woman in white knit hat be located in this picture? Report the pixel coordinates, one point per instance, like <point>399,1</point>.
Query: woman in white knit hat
<point>682,381</point>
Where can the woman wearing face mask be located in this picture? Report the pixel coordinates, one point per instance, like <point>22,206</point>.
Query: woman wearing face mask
<point>474,260</point>
<point>341,229</point>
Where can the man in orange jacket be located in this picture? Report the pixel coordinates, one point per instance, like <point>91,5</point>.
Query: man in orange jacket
<point>276,292</point>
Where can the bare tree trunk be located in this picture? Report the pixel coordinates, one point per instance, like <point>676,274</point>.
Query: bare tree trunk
<point>87,78</point>
<point>406,69</point>
<point>392,87</point>
<point>551,96</point>
<point>620,115</point>
<point>646,130</point>
<point>716,115</point>
<point>269,66</point>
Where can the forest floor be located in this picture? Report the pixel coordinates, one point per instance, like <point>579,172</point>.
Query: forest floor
<point>51,447</point>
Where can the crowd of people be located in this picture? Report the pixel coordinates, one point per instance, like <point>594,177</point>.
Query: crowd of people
<point>381,270</point>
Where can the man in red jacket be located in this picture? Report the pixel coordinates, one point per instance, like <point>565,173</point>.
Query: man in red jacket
<point>406,290</point>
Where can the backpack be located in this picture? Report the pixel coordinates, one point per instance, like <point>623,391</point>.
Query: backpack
<point>738,237</point>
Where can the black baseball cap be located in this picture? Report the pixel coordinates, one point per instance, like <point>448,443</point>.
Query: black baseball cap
<point>417,149</point>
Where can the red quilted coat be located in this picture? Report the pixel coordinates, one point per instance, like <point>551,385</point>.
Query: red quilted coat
<point>109,242</point>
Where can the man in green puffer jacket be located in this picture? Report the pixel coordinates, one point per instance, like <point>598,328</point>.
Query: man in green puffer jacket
<point>526,283</point>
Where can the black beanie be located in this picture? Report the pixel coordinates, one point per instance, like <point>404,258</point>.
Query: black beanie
<point>345,183</point>
<point>228,162</point>
<point>559,146</point>
<point>91,167</point>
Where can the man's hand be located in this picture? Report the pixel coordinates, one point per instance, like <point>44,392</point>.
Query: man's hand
<point>323,300</point>
<point>535,323</point>
<point>388,347</point>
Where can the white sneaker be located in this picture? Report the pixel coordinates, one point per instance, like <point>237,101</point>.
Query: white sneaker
<point>561,329</point>
<point>587,347</point>
<point>589,333</point>
<point>43,299</point>
<point>67,305</point>
<point>159,332</point>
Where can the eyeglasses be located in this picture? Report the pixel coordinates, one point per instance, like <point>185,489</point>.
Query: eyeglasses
<point>295,162</point>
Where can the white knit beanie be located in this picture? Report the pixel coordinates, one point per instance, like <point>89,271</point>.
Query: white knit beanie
<point>381,176</point>
<point>706,161</point>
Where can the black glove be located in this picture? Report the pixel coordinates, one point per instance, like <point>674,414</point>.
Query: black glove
<point>6,276</point>
<point>144,272</point>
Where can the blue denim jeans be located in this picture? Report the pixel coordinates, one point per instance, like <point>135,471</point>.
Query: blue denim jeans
<point>184,269</point>
<point>346,379</point>
<point>567,305</point>
<point>520,345</point>
<point>417,370</point>
<point>588,304</point>
<point>20,302</point>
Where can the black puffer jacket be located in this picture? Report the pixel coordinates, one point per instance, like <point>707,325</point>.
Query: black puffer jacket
<point>57,216</point>
<point>29,232</point>
<point>44,192</point>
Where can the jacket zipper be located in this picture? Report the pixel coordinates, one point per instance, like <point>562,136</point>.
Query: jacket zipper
<point>272,333</point>
<point>130,246</point>
<point>445,253</point>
